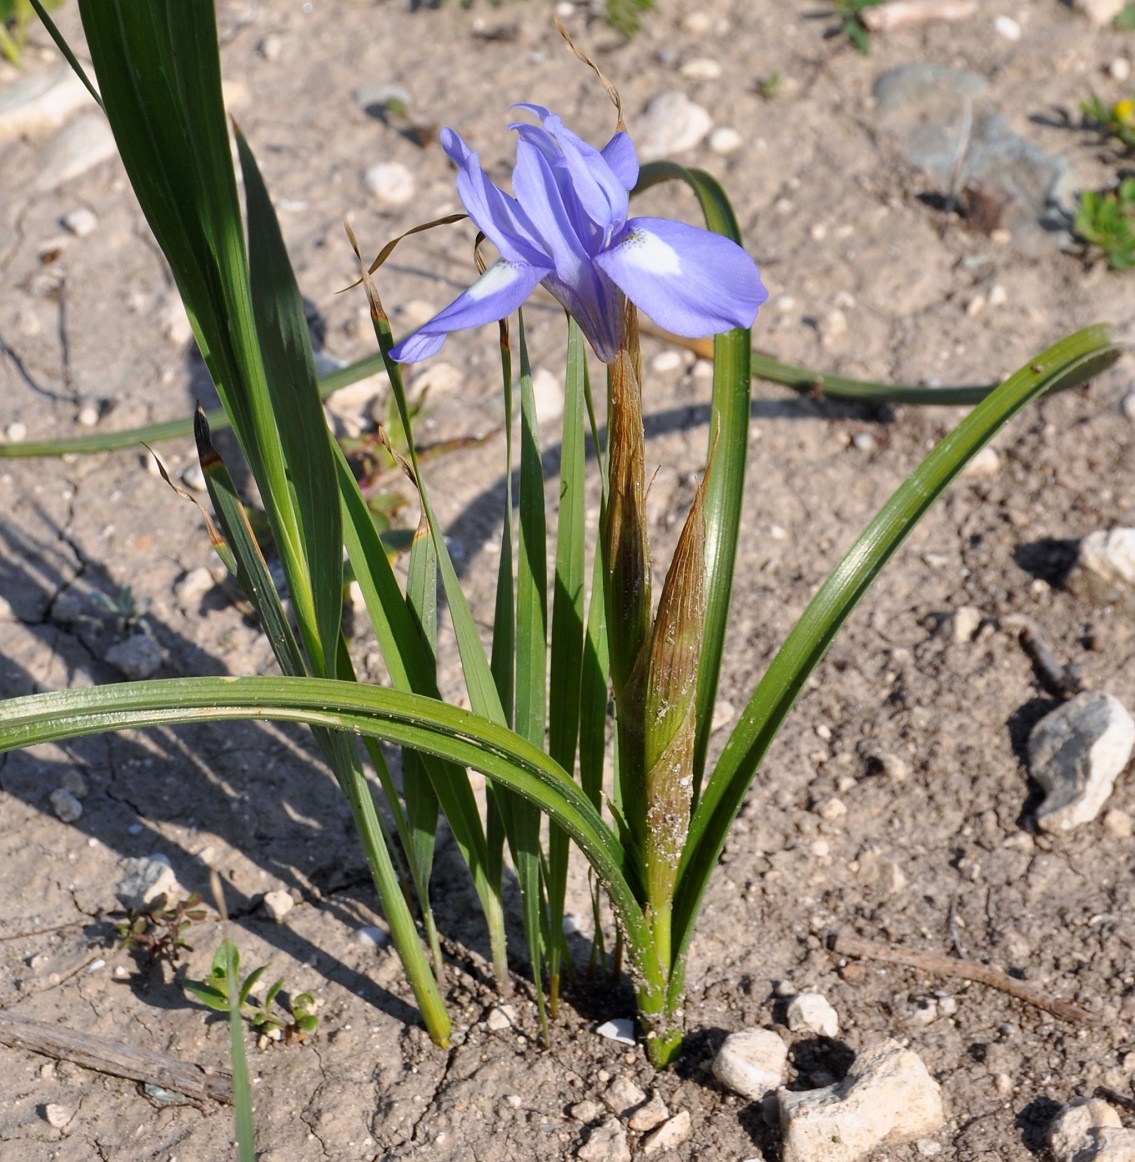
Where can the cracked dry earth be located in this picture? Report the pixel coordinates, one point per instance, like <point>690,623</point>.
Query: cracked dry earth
<point>919,736</point>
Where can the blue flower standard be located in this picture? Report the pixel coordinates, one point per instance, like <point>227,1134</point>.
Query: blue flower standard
<point>567,227</point>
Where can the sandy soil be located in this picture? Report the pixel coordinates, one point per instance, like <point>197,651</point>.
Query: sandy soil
<point>945,860</point>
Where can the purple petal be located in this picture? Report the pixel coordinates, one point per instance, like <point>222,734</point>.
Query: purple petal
<point>593,185</point>
<point>495,214</point>
<point>498,292</point>
<point>546,204</point>
<point>690,281</point>
<point>619,154</point>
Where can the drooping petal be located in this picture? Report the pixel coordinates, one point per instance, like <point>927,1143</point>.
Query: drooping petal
<point>498,292</point>
<point>495,214</point>
<point>690,281</point>
<point>620,155</point>
<point>545,203</point>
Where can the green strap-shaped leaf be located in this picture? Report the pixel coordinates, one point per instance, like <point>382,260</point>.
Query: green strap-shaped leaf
<point>1070,362</point>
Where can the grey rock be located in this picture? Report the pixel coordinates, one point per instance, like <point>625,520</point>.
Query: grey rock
<point>1090,1130</point>
<point>606,1142</point>
<point>586,1111</point>
<point>138,657</point>
<point>888,1097</point>
<point>928,109</point>
<point>75,782</point>
<point>623,1097</point>
<point>144,880</point>
<point>501,1017</point>
<point>751,1062</point>
<point>67,808</point>
<point>36,104</point>
<point>75,150</point>
<point>1075,754</point>
<point>671,123</point>
<point>1104,571</point>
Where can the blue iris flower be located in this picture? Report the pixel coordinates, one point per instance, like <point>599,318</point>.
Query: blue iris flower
<point>567,227</point>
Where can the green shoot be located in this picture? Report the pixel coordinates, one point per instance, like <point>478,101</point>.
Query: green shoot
<point>1106,223</point>
<point>160,932</point>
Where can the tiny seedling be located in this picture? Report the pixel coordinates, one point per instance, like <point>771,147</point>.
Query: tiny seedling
<point>1116,120</point>
<point>124,606</point>
<point>289,1024</point>
<point>1125,18</point>
<point>1106,223</point>
<point>160,932</point>
<point>849,14</point>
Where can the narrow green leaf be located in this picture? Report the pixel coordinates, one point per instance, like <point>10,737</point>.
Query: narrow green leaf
<point>293,392</point>
<point>242,1088</point>
<point>1070,362</point>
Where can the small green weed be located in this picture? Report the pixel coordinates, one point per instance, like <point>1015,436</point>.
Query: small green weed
<point>849,14</point>
<point>1125,18</point>
<point>14,17</point>
<point>290,1024</point>
<point>1106,222</point>
<point>160,932</point>
<point>1116,120</point>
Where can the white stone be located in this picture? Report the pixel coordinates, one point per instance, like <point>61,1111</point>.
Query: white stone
<point>173,320</point>
<point>438,379</point>
<point>702,68</point>
<point>607,1142</point>
<point>88,415</point>
<point>666,361</point>
<point>17,431</point>
<point>1120,69</point>
<point>725,139</point>
<point>697,23</point>
<point>500,1018</point>
<point>965,622</point>
<point>1099,12</point>
<point>1007,27</point>
<point>41,103</point>
<point>832,327</point>
<point>371,937</point>
<point>57,1115</point>
<point>1090,1130</point>
<point>75,150</point>
<point>390,182</point>
<point>1119,824</point>
<point>586,1111</point>
<point>144,880</point>
<point>278,904</point>
<point>888,1097</point>
<point>67,808</point>
<point>138,657</point>
<point>672,1133</point>
<point>832,810</point>
<point>1127,406</point>
<point>723,714</point>
<point>271,47</point>
<point>751,1062</point>
<point>671,123</point>
<point>81,222</point>
<point>811,1012</point>
<point>352,408</point>
<point>648,1116</point>
<point>549,395</point>
<point>620,1029</point>
<point>987,462</point>
<point>194,585</point>
<point>194,478</point>
<point>1105,567</point>
<point>1075,754</point>
<point>622,1097</point>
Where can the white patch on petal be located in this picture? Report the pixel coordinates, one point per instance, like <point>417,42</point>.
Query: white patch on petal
<point>500,275</point>
<point>648,252</point>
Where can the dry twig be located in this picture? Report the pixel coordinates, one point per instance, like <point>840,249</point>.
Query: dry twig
<point>970,970</point>
<point>115,1058</point>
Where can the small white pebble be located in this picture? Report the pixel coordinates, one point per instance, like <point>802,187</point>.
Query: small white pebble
<point>1119,824</point>
<point>1120,69</point>
<point>1007,27</point>
<point>57,1115</point>
<point>928,1148</point>
<point>702,69</point>
<point>89,415</point>
<point>565,9</point>
<point>723,714</point>
<point>621,1029</point>
<point>811,1012</point>
<point>863,442</point>
<point>271,47</point>
<point>501,1017</point>
<point>832,809</point>
<point>821,849</point>
<point>194,478</point>
<point>372,937</point>
<point>1003,1083</point>
<point>666,361</point>
<point>390,182</point>
<point>120,971</point>
<point>697,23</point>
<point>278,904</point>
<point>81,222</point>
<point>998,295</point>
<point>95,965</point>
<point>1128,406</point>
<point>17,431</point>
<point>725,139</point>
